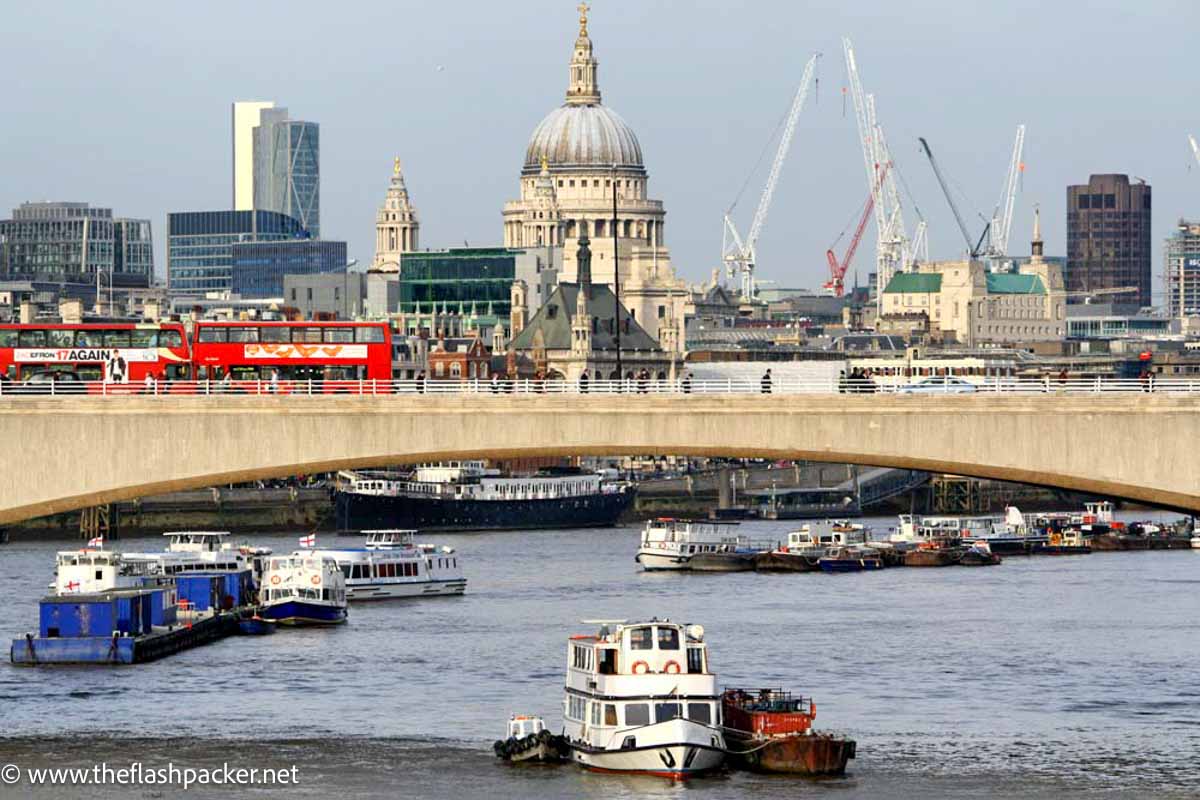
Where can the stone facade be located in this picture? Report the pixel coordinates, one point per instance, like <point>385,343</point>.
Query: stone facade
<point>967,304</point>
<point>396,226</point>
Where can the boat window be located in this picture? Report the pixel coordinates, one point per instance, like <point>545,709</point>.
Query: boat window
<point>637,714</point>
<point>641,639</point>
<point>608,662</point>
<point>668,638</point>
<point>695,659</point>
<point>666,711</point>
<point>346,570</point>
<point>610,714</point>
<point>324,594</point>
<point>595,713</point>
<point>699,712</point>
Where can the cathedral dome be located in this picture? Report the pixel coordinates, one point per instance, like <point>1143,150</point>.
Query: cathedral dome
<point>583,136</point>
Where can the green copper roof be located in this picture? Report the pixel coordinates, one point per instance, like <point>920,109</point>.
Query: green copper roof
<point>1011,283</point>
<point>914,282</point>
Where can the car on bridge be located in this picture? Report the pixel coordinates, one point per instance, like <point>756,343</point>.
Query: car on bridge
<point>939,384</point>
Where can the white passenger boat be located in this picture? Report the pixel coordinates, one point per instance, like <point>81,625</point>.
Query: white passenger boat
<point>206,551</point>
<point>390,565</point>
<point>640,699</point>
<point>814,539</point>
<point>671,543</point>
<point>303,589</point>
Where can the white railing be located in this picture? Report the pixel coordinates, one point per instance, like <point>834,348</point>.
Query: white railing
<point>680,388</point>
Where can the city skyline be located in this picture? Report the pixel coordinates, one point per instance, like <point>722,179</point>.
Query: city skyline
<point>455,97</point>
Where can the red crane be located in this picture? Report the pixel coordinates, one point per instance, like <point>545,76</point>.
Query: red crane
<point>837,272</point>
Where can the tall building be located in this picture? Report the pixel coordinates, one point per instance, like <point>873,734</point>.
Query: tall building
<point>1108,237</point>
<point>573,158</point>
<point>200,244</point>
<point>245,118</point>
<point>259,267</point>
<point>396,225</point>
<point>287,168</point>
<point>1181,274</point>
<point>72,242</point>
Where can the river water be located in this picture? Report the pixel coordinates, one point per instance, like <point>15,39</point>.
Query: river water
<point>1043,677</point>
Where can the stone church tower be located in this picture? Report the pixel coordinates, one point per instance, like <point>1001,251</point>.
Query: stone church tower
<point>396,225</point>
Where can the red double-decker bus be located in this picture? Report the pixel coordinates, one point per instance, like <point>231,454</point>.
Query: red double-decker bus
<point>288,352</point>
<point>108,352</point>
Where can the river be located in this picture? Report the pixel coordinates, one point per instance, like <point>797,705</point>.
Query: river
<point>1042,677</point>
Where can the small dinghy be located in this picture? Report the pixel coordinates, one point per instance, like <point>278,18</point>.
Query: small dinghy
<point>255,626</point>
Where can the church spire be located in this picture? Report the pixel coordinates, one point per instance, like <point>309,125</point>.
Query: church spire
<point>582,88</point>
<point>1037,246</point>
<point>583,258</point>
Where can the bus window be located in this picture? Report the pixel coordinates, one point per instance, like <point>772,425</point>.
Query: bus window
<point>32,338</point>
<point>177,372</point>
<point>88,339</point>
<point>170,338</point>
<point>306,335</point>
<point>88,372</point>
<point>60,338</point>
<point>368,333</point>
<point>116,338</point>
<point>8,338</point>
<point>243,373</point>
<point>243,335</point>
<point>143,337</point>
<point>213,335</point>
<point>339,335</point>
<point>275,333</point>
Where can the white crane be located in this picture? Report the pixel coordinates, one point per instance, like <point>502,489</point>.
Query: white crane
<point>739,254</point>
<point>1003,216</point>
<point>1195,147</point>
<point>895,252</point>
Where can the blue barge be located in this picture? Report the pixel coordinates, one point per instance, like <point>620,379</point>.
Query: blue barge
<point>135,625</point>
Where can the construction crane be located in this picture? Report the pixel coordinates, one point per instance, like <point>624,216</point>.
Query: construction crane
<point>1002,222</point>
<point>738,253</point>
<point>894,252</point>
<point>973,249</point>
<point>837,271</point>
<point>1195,147</point>
<point>996,230</point>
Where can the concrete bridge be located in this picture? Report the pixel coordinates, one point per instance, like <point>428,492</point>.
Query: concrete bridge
<point>72,452</point>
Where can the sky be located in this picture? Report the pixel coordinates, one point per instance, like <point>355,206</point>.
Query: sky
<point>128,106</point>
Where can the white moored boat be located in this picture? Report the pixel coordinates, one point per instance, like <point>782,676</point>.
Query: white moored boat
<point>205,551</point>
<point>671,543</point>
<point>390,565</point>
<point>640,699</point>
<point>303,589</point>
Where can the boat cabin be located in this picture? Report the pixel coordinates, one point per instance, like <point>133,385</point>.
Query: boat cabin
<point>303,576</point>
<point>93,571</point>
<point>389,539</point>
<point>823,535</point>
<point>702,536</point>
<point>197,541</point>
<point>522,725</point>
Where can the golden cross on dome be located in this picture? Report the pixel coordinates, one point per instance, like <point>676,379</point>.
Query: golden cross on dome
<point>545,163</point>
<point>396,166</point>
<point>583,12</point>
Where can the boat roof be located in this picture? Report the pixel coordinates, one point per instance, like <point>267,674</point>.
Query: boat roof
<point>197,533</point>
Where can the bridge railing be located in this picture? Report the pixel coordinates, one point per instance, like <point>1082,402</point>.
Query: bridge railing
<point>299,389</point>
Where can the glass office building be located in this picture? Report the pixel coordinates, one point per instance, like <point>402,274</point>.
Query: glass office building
<point>460,280</point>
<point>259,267</point>
<point>287,168</point>
<point>200,243</point>
<point>72,242</point>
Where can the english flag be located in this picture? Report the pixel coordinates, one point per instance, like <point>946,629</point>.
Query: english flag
<point>96,542</point>
<point>308,541</point>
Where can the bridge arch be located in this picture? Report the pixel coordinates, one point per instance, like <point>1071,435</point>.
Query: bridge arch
<point>70,453</point>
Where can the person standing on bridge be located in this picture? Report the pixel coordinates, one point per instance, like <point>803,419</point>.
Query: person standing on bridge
<point>495,383</point>
<point>686,385</point>
<point>583,382</point>
<point>766,382</point>
<point>421,382</point>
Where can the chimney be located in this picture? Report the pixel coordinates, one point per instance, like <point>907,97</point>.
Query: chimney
<point>28,312</point>
<point>70,311</point>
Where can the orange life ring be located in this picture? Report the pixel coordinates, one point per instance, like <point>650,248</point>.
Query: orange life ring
<point>640,668</point>
<point>671,668</point>
<point>274,580</point>
<point>316,580</point>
